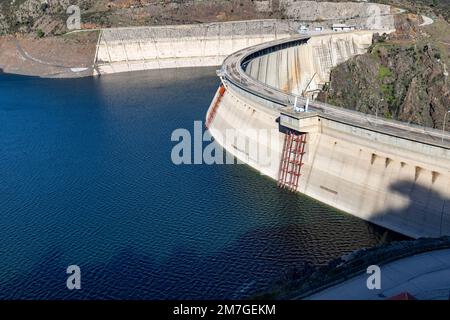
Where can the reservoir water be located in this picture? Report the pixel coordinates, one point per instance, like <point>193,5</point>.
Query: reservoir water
<point>86,179</point>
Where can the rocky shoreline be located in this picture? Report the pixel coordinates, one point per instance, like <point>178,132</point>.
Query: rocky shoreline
<point>52,57</point>
<point>312,280</point>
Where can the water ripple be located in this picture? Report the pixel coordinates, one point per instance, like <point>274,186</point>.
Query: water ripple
<point>86,178</point>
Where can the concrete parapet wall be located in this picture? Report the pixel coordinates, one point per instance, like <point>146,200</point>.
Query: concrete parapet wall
<point>396,183</point>
<point>143,48</point>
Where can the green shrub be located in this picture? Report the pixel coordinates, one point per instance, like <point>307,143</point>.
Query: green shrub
<point>384,72</point>
<point>40,33</point>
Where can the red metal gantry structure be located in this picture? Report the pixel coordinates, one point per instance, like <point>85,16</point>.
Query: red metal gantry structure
<point>212,113</point>
<point>291,160</point>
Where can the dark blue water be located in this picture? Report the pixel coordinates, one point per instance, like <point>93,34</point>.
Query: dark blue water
<point>86,178</point>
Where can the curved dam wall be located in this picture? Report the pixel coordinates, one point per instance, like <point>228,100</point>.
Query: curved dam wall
<point>144,48</point>
<point>388,173</point>
<point>309,65</point>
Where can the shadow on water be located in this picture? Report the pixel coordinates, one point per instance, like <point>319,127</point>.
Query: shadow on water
<point>86,178</point>
<point>259,256</point>
<point>427,213</point>
<point>251,263</point>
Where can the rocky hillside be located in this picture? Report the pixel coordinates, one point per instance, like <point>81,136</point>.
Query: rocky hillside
<point>402,77</point>
<point>48,17</point>
<point>430,7</point>
<point>36,16</point>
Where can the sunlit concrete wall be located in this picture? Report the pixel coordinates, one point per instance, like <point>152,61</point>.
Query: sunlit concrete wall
<point>396,183</point>
<point>292,69</point>
<point>143,48</point>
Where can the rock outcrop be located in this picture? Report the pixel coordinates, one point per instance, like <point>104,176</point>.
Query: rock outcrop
<point>407,82</point>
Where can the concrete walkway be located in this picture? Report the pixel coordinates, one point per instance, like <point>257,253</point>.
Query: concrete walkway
<point>426,276</point>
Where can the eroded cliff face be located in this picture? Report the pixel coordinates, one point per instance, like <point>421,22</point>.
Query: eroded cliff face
<point>404,81</point>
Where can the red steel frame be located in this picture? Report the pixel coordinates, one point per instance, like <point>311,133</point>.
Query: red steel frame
<point>291,160</point>
<point>213,111</point>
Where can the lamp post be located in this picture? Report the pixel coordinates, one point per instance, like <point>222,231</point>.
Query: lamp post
<point>443,126</point>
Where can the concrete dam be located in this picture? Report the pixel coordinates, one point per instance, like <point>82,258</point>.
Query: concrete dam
<point>208,44</point>
<point>146,48</point>
<point>390,173</point>
<point>297,68</point>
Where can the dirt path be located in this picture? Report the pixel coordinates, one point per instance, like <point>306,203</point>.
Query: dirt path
<point>68,56</point>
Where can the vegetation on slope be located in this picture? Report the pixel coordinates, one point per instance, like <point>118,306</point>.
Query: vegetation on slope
<point>29,16</point>
<point>400,77</point>
<point>436,7</point>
